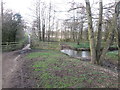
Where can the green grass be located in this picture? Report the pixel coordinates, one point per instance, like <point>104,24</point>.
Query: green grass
<point>53,62</point>
<point>112,55</point>
<point>81,45</point>
<point>56,70</point>
<point>36,55</point>
<point>114,46</point>
<point>85,44</point>
<point>47,45</point>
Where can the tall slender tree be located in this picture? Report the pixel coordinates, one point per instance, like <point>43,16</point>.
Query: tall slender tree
<point>91,33</point>
<point>39,19</point>
<point>49,21</point>
<point>99,37</point>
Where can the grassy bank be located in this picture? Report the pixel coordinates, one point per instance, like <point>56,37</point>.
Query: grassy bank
<point>56,70</point>
<point>85,44</point>
<point>47,45</point>
<point>112,55</point>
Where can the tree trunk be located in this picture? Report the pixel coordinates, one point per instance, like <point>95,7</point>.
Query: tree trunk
<point>57,31</point>
<point>80,34</point>
<point>113,38</point>
<point>39,22</point>
<point>49,28</point>
<point>43,32</point>
<point>71,32</point>
<point>106,30</point>
<point>99,38</point>
<point>81,30</point>
<point>91,33</point>
<point>106,47</point>
<point>78,40</point>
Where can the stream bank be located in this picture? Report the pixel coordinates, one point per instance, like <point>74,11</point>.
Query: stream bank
<point>65,46</point>
<point>85,56</point>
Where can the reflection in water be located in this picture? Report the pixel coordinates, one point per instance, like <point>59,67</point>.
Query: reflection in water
<point>74,53</point>
<point>86,54</point>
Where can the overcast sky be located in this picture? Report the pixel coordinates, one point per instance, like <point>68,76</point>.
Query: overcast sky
<point>22,6</point>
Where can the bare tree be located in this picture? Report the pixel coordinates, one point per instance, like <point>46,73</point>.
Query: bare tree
<point>99,37</point>
<point>107,45</point>
<point>43,20</point>
<point>49,18</point>
<point>91,33</point>
<point>39,19</point>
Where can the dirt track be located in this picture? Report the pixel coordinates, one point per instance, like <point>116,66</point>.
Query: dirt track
<point>9,65</point>
<point>15,71</point>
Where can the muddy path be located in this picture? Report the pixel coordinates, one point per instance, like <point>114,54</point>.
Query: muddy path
<point>15,73</point>
<point>9,65</point>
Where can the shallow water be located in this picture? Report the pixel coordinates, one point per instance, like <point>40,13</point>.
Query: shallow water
<point>73,53</point>
<point>86,56</point>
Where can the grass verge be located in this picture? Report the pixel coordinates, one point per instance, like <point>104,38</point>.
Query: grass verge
<point>112,55</point>
<point>56,70</point>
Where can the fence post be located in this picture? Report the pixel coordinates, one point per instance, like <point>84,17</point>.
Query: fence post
<point>7,45</point>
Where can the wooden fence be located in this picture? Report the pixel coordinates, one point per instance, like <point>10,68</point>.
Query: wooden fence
<point>10,46</point>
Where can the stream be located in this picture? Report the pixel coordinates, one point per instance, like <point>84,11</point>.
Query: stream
<point>85,56</point>
<point>74,53</point>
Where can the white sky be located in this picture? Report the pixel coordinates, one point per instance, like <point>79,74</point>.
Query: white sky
<point>22,6</point>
